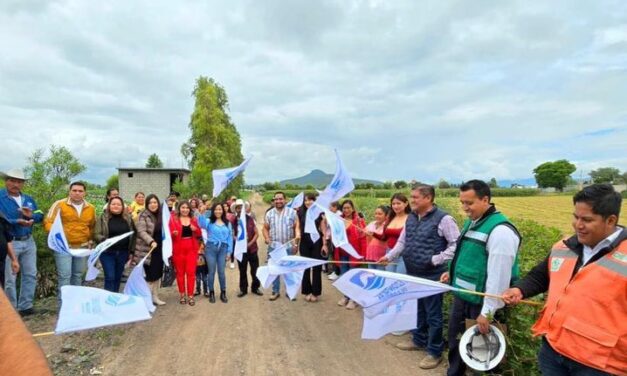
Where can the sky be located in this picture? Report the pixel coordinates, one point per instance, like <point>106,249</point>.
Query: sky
<point>403,89</point>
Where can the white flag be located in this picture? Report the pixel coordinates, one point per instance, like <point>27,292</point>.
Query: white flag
<point>92,271</point>
<point>166,245</point>
<point>58,242</point>
<point>136,286</point>
<point>294,263</point>
<point>297,201</point>
<point>222,178</point>
<point>88,307</point>
<point>375,290</point>
<point>338,233</point>
<point>241,242</point>
<point>396,317</point>
<point>292,283</point>
<point>341,184</point>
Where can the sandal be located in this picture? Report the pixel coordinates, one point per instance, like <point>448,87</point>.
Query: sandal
<point>183,300</point>
<point>191,301</point>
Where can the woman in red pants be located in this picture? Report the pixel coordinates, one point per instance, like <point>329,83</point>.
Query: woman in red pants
<point>185,234</point>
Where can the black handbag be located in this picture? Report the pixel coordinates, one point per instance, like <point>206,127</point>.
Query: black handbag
<point>169,274</point>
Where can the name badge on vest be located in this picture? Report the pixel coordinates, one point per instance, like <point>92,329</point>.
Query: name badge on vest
<point>620,256</point>
<point>556,264</point>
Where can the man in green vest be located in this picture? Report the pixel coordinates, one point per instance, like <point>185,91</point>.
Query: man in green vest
<point>485,261</point>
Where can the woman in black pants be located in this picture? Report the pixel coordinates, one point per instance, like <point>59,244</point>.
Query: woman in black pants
<point>312,279</point>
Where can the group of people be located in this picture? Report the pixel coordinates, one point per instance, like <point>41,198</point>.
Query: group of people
<point>412,236</point>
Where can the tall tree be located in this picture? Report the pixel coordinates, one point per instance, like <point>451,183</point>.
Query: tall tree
<point>50,175</point>
<point>493,183</point>
<point>215,142</point>
<point>554,174</point>
<point>154,161</point>
<point>605,175</point>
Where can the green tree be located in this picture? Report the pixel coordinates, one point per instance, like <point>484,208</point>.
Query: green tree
<point>215,142</point>
<point>387,185</point>
<point>493,183</point>
<point>605,175</point>
<point>113,182</point>
<point>400,184</point>
<point>154,161</point>
<point>443,184</point>
<point>554,174</point>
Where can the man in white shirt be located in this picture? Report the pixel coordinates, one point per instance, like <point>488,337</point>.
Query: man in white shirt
<point>485,261</point>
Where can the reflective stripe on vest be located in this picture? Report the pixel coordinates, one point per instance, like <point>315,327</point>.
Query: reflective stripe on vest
<point>585,314</point>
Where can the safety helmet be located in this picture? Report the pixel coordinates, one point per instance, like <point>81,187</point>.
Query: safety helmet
<point>482,352</point>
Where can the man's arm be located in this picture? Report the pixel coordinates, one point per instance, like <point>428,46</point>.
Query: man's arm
<point>536,281</point>
<point>449,230</point>
<point>502,248</point>
<point>297,234</point>
<point>255,236</point>
<point>266,233</point>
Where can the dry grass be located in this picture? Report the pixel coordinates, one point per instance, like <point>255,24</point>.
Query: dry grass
<point>554,211</point>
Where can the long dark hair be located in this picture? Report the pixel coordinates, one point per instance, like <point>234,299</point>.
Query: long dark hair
<point>107,198</point>
<point>158,213</point>
<point>123,207</point>
<point>178,208</point>
<point>213,217</point>
<point>349,202</point>
<point>402,198</point>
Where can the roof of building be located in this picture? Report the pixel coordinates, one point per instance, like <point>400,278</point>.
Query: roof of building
<point>153,169</point>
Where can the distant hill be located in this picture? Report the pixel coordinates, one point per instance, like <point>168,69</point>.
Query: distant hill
<point>319,178</point>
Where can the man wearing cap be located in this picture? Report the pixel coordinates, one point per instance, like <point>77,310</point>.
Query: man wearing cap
<point>250,257</point>
<point>79,218</point>
<point>584,321</point>
<point>22,213</point>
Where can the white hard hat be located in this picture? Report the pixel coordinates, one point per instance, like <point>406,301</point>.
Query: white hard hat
<point>482,352</point>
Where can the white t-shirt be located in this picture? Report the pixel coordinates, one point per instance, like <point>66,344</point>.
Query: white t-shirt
<point>18,199</point>
<point>79,207</point>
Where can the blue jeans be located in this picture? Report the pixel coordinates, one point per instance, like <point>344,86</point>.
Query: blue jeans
<point>344,267</point>
<point>113,265</point>
<point>215,253</point>
<point>428,332</point>
<point>398,268</point>
<point>376,266</point>
<point>276,284</point>
<point>553,363</point>
<point>26,253</point>
<point>70,270</point>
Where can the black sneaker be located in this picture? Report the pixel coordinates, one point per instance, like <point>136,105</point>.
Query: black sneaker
<point>257,292</point>
<point>241,294</point>
<point>27,312</point>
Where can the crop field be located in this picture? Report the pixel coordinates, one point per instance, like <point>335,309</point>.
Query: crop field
<point>552,211</point>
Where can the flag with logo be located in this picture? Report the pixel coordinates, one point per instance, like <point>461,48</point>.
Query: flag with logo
<point>375,290</point>
<point>136,286</point>
<point>88,307</point>
<point>297,201</point>
<point>338,233</point>
<point>241,242</point>
<point>222,178</point>
<point>166,245</point>
<point>58,242</point>
<point>92,271</point>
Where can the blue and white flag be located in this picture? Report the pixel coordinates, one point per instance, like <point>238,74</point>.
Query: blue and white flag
<point>88,307</point>
<point>136,286</point>
<point>166,245</point>
<point>375,290</point>
<point>341,184</point>
<point>292,283</point>
<point>58,242</point>
<point>297,201</point>
<point>241,242</point>
<point>396,317</point>
<point>92,271</point>
<point>222,178</point>
<point>338,233</point>
<point>295,263</point>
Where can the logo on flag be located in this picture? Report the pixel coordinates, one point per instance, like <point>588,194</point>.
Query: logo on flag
<point>368,281</point>
<point>119,300</point>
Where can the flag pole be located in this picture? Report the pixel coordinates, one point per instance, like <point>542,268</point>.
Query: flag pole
<point>42,334</point>
<point>484,294</point>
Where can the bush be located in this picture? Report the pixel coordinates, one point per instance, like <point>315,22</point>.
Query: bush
<point>624,193</point>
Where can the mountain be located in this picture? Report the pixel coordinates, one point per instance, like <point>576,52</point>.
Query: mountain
<point>319,178</point>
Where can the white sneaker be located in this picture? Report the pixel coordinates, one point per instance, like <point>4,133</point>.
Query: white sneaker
<point>333,276</point>
<point>399,333</point>
<point>232,266</point>
<point>351,304</point>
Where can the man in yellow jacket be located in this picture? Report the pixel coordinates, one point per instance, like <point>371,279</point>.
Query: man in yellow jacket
<point>79,218</point>
<point>584,320</point>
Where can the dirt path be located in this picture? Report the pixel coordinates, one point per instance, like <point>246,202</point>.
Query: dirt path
<point>254,336</point>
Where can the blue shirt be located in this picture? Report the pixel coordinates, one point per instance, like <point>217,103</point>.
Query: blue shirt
<point>10,210</point>
<point>218,233</point>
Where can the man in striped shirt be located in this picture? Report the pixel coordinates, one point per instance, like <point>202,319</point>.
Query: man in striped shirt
<point>281,226</point>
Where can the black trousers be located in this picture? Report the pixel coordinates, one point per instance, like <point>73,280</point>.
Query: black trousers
<point>253,260</point>
<point>312,279</point>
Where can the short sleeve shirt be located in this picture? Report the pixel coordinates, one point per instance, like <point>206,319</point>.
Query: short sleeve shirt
<point>281,224</point>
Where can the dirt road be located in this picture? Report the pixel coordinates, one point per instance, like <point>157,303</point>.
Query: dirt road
<point>254,336</point>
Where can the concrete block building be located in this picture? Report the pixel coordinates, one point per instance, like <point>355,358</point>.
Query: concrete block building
<point>149,180</point>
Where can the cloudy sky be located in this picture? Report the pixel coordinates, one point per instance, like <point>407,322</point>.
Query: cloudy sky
<point>403,89</point>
